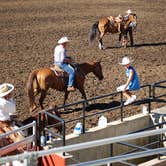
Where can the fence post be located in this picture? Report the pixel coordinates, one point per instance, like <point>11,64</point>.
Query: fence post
<point>64,134</point>
<point>32,160</point>
<point>83,123</point>
<point>159,141</point>
<point>121,108</point>
<point>34,133</point>
<point>39,129</point>
<point>111,154</point>
<point>149,103</point>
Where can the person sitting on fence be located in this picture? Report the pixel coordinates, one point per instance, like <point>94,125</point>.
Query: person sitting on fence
<point>132,82</point>
<point>7,108</point>
<point>63,61</point>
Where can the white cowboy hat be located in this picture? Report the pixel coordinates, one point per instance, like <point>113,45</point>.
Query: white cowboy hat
<point>5,89</point>
<point>63,40</point>
<point>129,11</point>
<point>125,61</point>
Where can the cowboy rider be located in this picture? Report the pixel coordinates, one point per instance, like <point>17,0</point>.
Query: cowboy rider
<point>63,61</point>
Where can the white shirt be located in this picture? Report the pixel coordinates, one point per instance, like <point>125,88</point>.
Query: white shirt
<point>7,108</point>
<point>59,54</point>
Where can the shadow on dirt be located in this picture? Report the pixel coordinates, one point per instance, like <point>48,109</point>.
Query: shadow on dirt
<point>142,45</point>
<point>98,106</point>
<point>150,44</point>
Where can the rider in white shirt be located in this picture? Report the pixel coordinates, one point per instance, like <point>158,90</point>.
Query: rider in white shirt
<point>63,61</point>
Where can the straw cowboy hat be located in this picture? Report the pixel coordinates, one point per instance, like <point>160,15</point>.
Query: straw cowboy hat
<point>126,61</point>
<point>5,89</point>
<point>63,40</point>
<point>129,11</point>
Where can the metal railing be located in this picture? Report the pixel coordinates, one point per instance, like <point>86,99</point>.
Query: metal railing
<point>13,146</point>
<point>152,97</point>
<point>156,143</point>
<point>32,156</point>
<point>91,144</point>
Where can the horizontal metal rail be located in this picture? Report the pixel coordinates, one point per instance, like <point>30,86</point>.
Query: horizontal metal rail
<point>13,146</point>
<point>121,105</point>
<point>122,157</point>
<point>95,98</point>
<point>86,145</point>
<point>18,130</point>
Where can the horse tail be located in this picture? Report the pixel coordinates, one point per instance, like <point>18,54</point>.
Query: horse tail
<point>93,31</point>
<point>32,80</point>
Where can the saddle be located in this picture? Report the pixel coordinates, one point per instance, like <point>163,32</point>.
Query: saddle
<point>57,70</point>
<point>116,20</point>
<point>60,72</point>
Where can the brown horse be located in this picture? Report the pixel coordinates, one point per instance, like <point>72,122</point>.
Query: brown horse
<point>110,25</point>
<point>41,80</point>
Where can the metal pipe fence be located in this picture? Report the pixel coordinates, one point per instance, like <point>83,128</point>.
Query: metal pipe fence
<point>151,98</point>
<point>80,146</point>
<point>13,146</point>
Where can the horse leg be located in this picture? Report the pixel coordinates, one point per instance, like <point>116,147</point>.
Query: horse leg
<point>101,47</point>
<point>131,36</point>
<point>33,105</point>
<point>124,40</point>
<point>65,97</point>
<point>83,94</point>
<point>42,97</point>
<point>119,41</point>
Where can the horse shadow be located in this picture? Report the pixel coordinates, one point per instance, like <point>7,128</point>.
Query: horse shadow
<point>146,101</point>
<point>141,45</point>
<point>112,104</point>
<point>90,107</point>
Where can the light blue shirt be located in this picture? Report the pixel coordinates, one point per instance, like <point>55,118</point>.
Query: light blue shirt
<point>134,84</point>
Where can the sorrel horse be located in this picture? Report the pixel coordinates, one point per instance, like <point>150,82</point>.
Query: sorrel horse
<point>107,25</point>
<point>41,80</point>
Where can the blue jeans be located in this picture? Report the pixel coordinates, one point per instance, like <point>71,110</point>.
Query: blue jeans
<point>70,71</point>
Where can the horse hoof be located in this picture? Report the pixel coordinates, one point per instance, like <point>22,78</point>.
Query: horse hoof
<point>101,47</point>
<point>118,45</point>
<point>33,108</point>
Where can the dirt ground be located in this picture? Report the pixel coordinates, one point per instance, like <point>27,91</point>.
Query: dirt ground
<point>29,31</point>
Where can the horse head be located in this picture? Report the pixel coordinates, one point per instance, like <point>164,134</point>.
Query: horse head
<point>97,70</point>
<point>131,21</point>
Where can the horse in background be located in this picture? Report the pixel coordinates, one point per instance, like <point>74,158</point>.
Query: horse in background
<point>121,24</point>
<point>39,81</point>
<point>129,29</point>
